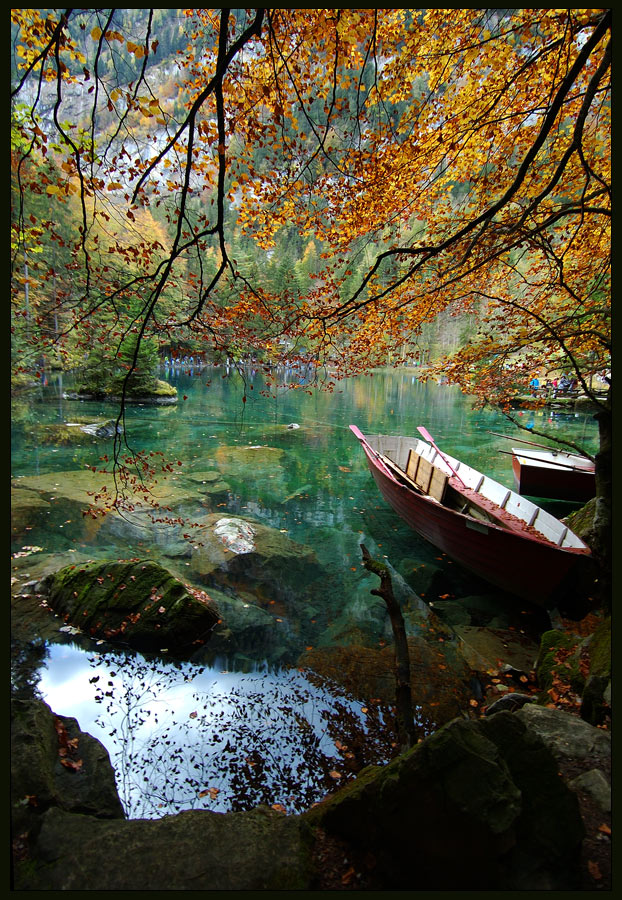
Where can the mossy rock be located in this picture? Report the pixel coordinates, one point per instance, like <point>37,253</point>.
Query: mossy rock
<point>53,763</point>
<point>599,648</point>
<point>477,805</point>
<point>157,392</point>
<point>596,697</point>
<point>559,658</point>
<point>581,522</point>
<point>138,603</point>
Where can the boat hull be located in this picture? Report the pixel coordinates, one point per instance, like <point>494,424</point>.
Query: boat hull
<point>523,566</point>
<point>536,477</point>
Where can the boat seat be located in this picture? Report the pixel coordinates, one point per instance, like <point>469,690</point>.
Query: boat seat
<point>429,478</point>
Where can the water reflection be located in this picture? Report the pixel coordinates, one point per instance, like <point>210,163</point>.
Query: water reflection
<point>202,737</point>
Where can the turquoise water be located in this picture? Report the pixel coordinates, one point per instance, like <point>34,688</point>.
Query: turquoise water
<point>312,485</point>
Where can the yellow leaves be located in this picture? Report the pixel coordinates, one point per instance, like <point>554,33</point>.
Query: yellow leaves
<point>138,50</point>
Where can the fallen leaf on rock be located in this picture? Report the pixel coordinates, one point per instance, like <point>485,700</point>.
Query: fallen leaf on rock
<point>594,870</point>
<point>348,876</point>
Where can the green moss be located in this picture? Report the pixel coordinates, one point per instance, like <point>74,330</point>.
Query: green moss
<point>600,650</point>
<point>582,520</point>
<point>552,664</point>
<point>157,389</point>
<point>138,602</point>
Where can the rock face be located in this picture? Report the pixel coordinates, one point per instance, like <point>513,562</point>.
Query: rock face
<point>139,603</point>
<point>195,850</point>
<point>54,764</point>
<point>585,663</point>
<point>478,805</point>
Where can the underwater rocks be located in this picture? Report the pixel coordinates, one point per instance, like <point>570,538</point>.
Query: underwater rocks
<point>237,549</point>
<point>73,433</point>
<point>138,603</point>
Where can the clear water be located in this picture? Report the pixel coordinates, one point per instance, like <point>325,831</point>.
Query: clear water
<point>247,727</point>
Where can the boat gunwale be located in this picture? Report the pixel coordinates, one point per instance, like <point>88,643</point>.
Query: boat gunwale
<point>513,523</point>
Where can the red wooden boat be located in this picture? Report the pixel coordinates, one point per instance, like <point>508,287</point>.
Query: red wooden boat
<point>489,529</point>
<point>554,474</point>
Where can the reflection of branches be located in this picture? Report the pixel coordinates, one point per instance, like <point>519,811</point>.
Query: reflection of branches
<point>27,658</point>
<point>276,741</point>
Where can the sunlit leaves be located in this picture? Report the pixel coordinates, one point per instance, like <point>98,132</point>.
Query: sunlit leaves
<point>438,164</point>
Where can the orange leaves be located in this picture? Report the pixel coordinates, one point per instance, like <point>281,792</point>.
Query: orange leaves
<point>67,747</point>
<point>209,792</point>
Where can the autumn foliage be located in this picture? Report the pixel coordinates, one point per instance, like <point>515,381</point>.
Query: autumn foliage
<point>422,164</point>
<point>464,160</point>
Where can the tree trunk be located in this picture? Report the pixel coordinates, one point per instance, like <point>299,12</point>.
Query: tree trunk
<point>403,695</point>
<point>601,544</point>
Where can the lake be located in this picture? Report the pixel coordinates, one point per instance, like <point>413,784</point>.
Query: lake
<point>249,721</point>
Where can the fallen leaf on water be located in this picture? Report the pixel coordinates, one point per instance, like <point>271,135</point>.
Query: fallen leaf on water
<point>213,792</point>
<point>279,807</point>
<point>336,775</point>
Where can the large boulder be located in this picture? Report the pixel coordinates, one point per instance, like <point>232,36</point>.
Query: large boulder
<point>54,764</point>
<point>137,602</point>
<point>476,806</point>
<point>196,850</point>
<point>238,551</point>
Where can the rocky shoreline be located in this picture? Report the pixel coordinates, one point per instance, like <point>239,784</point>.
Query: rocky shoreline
<point>478,805</point>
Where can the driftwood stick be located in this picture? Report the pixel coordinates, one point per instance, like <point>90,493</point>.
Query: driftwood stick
<point>403,694</point>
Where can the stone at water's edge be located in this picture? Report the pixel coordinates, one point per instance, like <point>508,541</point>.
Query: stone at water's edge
<point>478,805</point>
<point>53,763</point>
<point>258,850</point>
<point>136,602</point>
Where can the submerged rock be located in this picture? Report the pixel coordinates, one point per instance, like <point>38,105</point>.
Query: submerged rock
<point>440,680</point>
<point>73,433</point>
<point>138,603</point>
<point>237,549</point>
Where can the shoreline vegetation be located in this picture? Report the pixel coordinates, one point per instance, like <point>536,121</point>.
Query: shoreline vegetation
<point>165,393</point>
